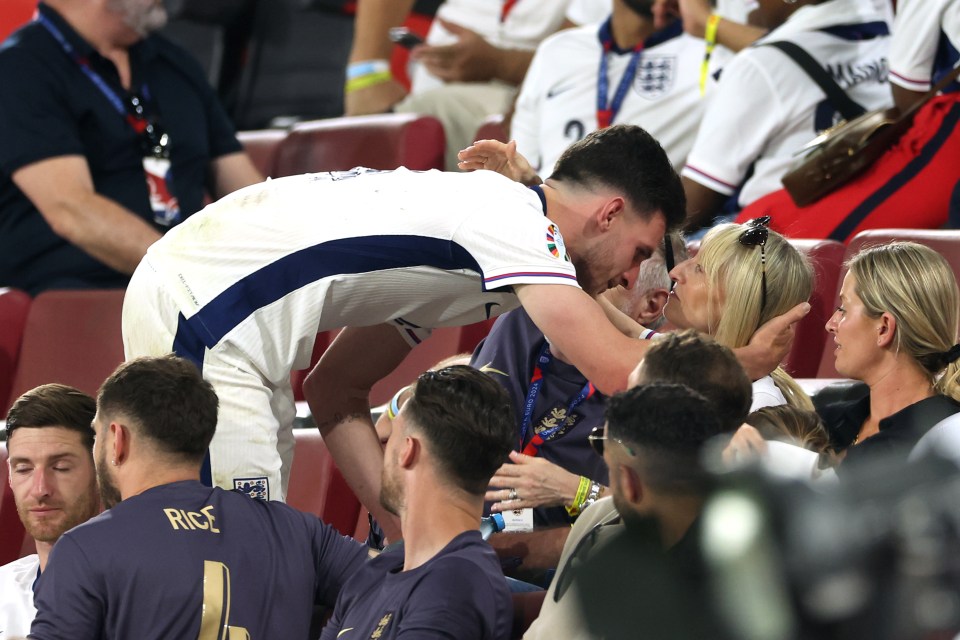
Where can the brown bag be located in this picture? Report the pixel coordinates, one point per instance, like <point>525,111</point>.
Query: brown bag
<point>842,152</point>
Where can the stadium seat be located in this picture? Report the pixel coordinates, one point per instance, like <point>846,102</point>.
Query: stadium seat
<point>15,14</point>
<point>945,242</point>
<point>380,142</point>
<point>262,146</point>
<point>318,487</point>
<point>808,342</point>
<point>71,337</point>
<point>14,306</point>
<point>492,129</point>
<point>442,343</point>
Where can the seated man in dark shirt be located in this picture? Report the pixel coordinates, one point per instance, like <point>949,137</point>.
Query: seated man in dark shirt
<point>450,432</point>
<point>172,558</point>
<point>109,135</point>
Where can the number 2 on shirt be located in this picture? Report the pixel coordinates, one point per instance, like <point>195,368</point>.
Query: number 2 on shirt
<point>215,617</point>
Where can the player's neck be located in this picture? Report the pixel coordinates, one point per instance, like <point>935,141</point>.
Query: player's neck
<point>43,552</point>
<point>629,28</point>
<point>136,482</point>
<point>431,520</point>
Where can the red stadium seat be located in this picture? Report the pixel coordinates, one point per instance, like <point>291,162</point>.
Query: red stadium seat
<point>262,146</point>
<point>15,14</point>
<point>493,129</point>
<point>14,307</point>
<point>318,487</point>
<point>442,343</point>
<point>945,242</point>
<point>383,141</point>
<point>808,342</point>
<point>71,337</point>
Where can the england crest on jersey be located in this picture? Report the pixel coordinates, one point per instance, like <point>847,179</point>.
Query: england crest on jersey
<point>257,488</point>
<point>655,75</point>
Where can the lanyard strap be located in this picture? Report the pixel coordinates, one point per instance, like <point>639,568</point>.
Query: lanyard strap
<point>536,382</point>
<point>139,124</point>
<point>607,111</point>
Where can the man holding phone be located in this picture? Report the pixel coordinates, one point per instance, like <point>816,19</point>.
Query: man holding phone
<point>463,74</point>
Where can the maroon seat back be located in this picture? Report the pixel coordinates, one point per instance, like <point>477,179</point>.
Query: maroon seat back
<point>263,146</point>
<point>14,307</point>
<point>383,141</point>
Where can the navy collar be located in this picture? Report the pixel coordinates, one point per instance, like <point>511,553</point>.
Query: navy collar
<point>543,199</point>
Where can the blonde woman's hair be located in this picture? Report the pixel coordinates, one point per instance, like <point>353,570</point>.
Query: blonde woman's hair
<point>734,271</point>
<point>915,285</point>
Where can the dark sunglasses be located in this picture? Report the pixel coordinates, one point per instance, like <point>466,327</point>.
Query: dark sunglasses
<point>755,234</point>
<point>598,438</point>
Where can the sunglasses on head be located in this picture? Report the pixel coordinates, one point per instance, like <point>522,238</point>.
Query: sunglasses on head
<point>755,233</point>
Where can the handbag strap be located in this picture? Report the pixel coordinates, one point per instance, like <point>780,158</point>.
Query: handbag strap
<point>836,96</point>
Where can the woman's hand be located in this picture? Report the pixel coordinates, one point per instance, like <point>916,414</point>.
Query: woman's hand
<point>501,157</point>
<point>535,481</point>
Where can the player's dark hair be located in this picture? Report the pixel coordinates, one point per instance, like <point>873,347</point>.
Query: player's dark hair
<point>665,427</point>
<point>628,159</point>
<point>467,420</point>
<point>54,405</point>
<point>707,367</point>
<point>168,401</point>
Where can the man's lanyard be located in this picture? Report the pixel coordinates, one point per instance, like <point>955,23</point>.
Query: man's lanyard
<point>607,111</point>
<point>138,124</point>
<point>536,382</point>
<point>505,10</point>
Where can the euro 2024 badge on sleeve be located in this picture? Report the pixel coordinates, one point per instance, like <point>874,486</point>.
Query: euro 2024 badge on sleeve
<point>555,243</point>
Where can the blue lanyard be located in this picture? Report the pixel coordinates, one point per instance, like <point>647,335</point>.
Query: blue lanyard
<point>138,124</point>
<point>536,382</point>
<point>607,111</point>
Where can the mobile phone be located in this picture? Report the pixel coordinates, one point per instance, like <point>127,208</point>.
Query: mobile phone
<point>404,37</point>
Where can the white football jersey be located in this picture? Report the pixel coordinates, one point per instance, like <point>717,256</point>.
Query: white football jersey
<point>923,34</point>
<point>525,25</point>
<point>269,266</point>
<point>765,107</point>
<point>16,596</point>
<point>557,105</point>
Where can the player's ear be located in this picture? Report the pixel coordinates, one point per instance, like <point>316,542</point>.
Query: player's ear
<point>611,209</point>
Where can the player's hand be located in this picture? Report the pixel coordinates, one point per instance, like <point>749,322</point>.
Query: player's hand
<point>469,59</point>
<point>771,343</point>
<point>501,157</point>
<point>537,483</point>
<point>378,98</point>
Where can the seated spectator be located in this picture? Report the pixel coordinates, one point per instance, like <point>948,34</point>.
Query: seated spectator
<point>475,57</point>
<point>109,134</point>
<point>547,477</point>
<point>917,182</point>
<point>707,367</point>
<point>652,444</point>
<point>173,558</point>
<point>895,330</point>
<point>766,107</point>
<point>648,76</point>
<point>451,430</point>
<point>49,442</point>
<point>742,276</point>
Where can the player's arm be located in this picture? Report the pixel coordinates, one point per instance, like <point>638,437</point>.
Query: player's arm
<point>112,234</point>
<point>537,549</point>
<point>472,59</point>
<point>231,172</point>
<point>338,392</point>
<point>573,321</point>
<point>370,42</point>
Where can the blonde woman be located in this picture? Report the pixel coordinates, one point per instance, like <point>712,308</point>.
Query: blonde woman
<point>742,276</point>
<point>895,330</point>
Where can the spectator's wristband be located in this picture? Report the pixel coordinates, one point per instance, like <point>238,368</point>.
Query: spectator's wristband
<point>710,36</point>
<point>583,489</point>
<point>367,73</point>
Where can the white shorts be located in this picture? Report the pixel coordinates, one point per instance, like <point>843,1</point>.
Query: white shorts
<point>252,450</point>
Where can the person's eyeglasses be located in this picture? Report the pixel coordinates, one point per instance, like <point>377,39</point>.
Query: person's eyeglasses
<point>393,409</point>
<point>755,234</point>
<point>598,438</point>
